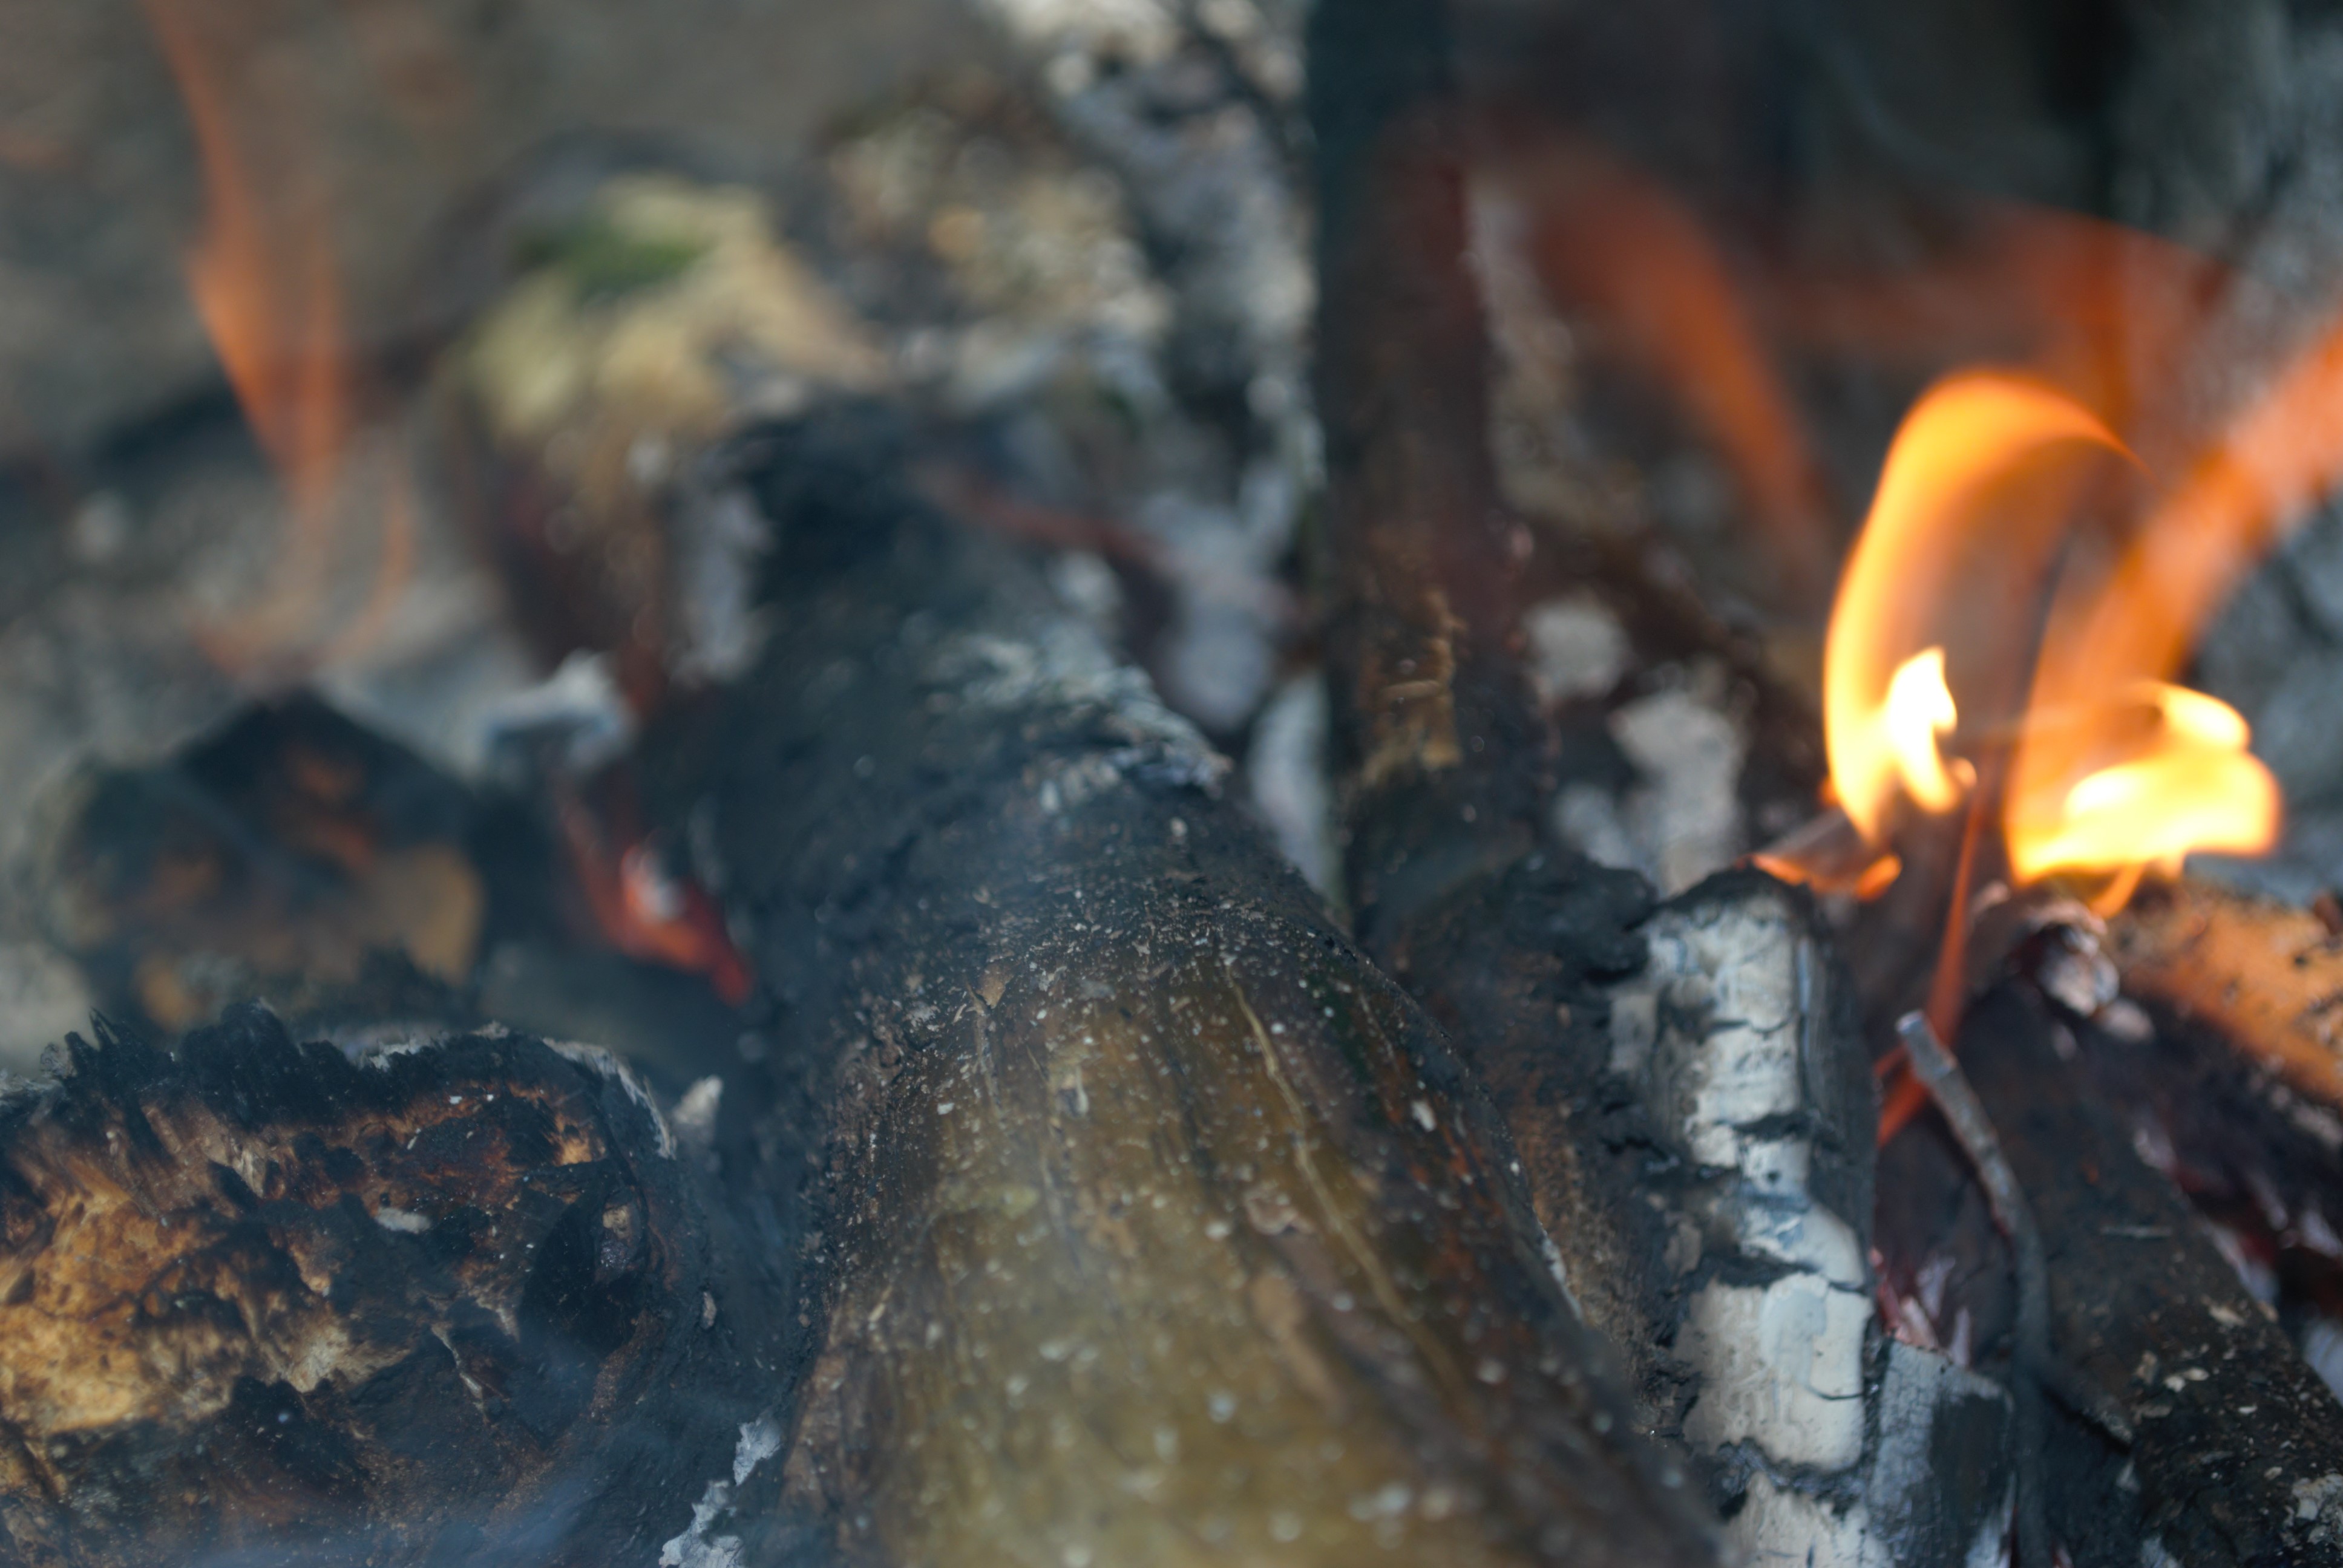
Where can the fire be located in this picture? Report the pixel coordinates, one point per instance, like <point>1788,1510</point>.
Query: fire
<point>266,286</point>
<point>2190,785</point>
<point>1935,508</point>
<point>1917,713</point>
<point>2113,771</point>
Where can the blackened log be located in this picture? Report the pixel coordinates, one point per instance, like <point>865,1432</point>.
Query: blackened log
<point>295,857</point>
<point>2220,1055</point>
<point>1151,1222</point>
<point>2237,1455</point>
<point>451,1302</point>
<point>1687,1090</point>
<point>1442,752</point>
<point>1438,739</point>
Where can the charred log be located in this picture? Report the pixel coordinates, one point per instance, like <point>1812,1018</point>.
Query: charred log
<point>2218,1055</point>
<point>2235,1443</point>
<point>1687,1088</point>
<point>1151,1221</point>
<point>443,1302</point>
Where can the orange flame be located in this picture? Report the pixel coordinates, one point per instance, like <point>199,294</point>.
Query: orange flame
<point>265,284</point>
<point>2269,467</point>
<point>1936,505</point>
<point>1609,240</point>
<point>2114,771</point>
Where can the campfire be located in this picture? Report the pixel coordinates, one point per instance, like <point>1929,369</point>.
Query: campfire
<point>1157,785</point>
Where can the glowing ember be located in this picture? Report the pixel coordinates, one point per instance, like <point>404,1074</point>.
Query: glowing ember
<point>2114,771</point>
<point>1918,712</point>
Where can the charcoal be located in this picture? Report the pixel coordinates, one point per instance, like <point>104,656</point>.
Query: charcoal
<point>451,1299</point>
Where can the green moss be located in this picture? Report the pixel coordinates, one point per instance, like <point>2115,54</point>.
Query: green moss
<point>603,259</point>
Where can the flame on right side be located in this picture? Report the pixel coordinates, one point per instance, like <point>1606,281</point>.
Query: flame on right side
<point>2112,769</point>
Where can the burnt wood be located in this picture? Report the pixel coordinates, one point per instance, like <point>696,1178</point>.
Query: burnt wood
<point>2237,1455</point>
<point>453,1303</point>
<point>1149,1221</point>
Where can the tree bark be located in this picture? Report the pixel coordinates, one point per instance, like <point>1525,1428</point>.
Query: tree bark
<point>1152,1223</point>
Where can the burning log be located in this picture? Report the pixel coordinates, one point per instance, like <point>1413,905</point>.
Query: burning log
<point>2261,975</point>
<point>435,1302</point>
<point>288,856</point>
<point>1148,1219</point>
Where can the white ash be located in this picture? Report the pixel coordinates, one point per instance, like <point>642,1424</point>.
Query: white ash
<point>1062,664</point>
<point>1577,649</point>
<point>608,1064</point>
<point>575,720</point>
<point>718,542</point>
<point>43,998</point>
<point>759,1440</point>
<point>1169,101</point>
<point>1729,1040</point>
<point>1686,814</point>
<point>1681,821</point>
<point>1778,1525</point>
<point>694,1116</point>
<point>1587,818</point>
<point>1088,587</point>
<point>1286,767</point>
<point>1533,436</point>
<point>1781,1367</point>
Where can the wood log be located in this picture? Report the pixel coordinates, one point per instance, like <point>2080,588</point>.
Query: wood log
<point>1687,1090</point>
<point>2264,976</point>
<point>2237,1444</point>
<point>1150,1223</point>
<point>443,1302</point>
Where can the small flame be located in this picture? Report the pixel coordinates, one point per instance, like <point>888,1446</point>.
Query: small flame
<point>265,284</point>
<point>2189,786</point>
<point>1917,713</point>
<point>1964,438</point>
<point>2114,771</point>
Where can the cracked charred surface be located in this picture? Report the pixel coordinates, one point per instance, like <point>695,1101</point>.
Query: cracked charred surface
<point>1153,1224</point>
<point>261,1303</point>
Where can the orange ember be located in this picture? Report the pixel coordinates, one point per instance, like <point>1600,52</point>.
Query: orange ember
<point>2113,771</point>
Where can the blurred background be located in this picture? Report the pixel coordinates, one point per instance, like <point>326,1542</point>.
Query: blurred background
<point>354,355</point>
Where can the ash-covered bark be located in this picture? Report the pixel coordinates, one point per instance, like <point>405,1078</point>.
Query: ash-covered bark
<point>1152,1223</point>
<point>447,1303</point>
